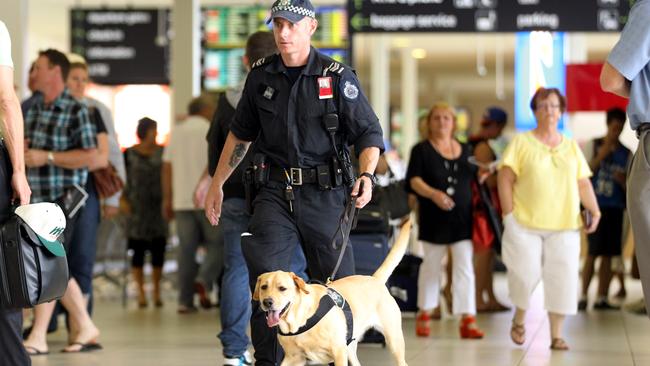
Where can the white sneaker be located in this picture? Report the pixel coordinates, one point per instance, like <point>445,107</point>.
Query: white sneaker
<point>243,360</point>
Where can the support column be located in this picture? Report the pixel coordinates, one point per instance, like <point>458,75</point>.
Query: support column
<point>409,89</point>
<point>14,15</point>
<point>379,81</point>
<point>185,55</point>
<point>576,52</point>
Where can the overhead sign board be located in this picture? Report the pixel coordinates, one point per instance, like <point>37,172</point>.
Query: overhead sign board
<point>122,46</point>
<point>487,15</point>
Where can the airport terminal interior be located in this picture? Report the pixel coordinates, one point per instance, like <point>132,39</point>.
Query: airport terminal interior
<point>150,58</point>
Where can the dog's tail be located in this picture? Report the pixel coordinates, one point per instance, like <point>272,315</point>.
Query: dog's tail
<point>396,253</point>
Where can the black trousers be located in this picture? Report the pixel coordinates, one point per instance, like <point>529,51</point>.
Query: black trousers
<point>12,352</point>
<point>276,231</point>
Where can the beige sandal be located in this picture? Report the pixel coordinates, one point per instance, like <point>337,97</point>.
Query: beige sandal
<point>559,344</point>
<point>518,333</point>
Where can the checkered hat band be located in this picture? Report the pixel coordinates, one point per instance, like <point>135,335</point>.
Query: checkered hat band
<point>294,9</point>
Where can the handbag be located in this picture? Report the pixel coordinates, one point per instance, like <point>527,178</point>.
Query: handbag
<point>487,227</point>
<point>33,264</point>
<point>107,181</point>
<point>394,198</point>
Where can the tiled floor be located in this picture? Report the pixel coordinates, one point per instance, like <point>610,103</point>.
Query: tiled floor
<point>134,337</point>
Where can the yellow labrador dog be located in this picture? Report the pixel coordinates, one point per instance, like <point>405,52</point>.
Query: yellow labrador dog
<point>289,302</point>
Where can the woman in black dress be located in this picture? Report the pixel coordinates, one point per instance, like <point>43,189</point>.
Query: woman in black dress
<point>441,176</point>
<point>147,230</point>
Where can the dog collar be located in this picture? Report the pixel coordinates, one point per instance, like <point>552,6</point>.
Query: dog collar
<point>326,303</point>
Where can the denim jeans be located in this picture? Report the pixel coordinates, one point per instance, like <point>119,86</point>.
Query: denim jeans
<point>194,229</point>
<point>235,294</point>
<point>82,249</point>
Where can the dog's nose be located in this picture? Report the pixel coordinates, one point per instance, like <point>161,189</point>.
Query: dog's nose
<point>268,302</point>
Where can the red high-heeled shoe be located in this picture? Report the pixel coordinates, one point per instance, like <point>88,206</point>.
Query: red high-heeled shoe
<point>422,326</point>
<point>467,331</point>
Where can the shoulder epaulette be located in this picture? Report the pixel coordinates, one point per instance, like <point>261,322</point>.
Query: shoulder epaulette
<point>334,68</point>
<point>263,61</point>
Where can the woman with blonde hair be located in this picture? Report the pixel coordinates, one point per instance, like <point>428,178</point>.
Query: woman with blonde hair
<point>543,178</point>
<point>441,176</point>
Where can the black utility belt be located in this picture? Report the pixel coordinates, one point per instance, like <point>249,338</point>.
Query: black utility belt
<point>321,175</point>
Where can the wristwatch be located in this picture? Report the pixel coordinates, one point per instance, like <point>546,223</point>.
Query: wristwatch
<point>50,157</point>
<point>371,176</point>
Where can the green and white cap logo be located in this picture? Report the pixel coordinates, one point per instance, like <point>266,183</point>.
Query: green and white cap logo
<point>47,221</point>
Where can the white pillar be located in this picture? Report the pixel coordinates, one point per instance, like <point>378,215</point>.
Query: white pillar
<point>575,48</point>
<point>185,52</point>
<point>409,103</point>
<point>379,81</point>
<point>14,15</point>
<point>575,52</point>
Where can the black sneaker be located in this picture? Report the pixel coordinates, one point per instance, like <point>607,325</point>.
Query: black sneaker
<point>605,305</point>
<point>582,305</point>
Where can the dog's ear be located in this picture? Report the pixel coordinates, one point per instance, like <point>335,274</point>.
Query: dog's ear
<point>300,283</point>
<point>256,293</point>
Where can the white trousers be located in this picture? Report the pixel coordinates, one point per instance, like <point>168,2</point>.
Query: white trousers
<point>550,256</point>
<point>462,285</point>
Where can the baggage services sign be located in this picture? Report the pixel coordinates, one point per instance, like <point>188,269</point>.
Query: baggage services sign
<point>487,15</point>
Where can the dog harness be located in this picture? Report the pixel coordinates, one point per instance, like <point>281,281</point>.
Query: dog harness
<point>327,302</point>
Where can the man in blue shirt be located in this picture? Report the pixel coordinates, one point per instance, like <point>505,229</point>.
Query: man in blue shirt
<point>608,159</point>
<point>627,73</point>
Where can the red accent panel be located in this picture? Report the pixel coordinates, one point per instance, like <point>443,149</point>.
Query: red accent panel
<point>583,90</point>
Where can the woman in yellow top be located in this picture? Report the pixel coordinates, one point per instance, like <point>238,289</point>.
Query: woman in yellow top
<point>543,178</point>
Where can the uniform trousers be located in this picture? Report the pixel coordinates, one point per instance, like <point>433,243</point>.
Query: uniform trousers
<point>275,231</point>
<point>462,285</point>
<point>638,196</point>
<point>552,257</point>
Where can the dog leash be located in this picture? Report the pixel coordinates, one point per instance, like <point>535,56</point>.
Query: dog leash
<point>347,222</point>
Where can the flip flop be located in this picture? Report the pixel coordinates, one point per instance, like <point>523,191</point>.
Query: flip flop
<point>559,344</point>
<point>33,351</point>
<point>85,347</point>
<point>518,333</point>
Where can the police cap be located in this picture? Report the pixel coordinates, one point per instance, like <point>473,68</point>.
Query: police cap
<point>292,10</point>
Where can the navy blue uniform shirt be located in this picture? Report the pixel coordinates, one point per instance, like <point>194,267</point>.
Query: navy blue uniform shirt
<point>287,120</point>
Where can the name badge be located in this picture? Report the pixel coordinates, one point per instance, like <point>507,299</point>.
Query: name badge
<point>325,88</point>
<point>269,93</point>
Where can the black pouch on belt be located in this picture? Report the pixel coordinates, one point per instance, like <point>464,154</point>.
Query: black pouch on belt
<point>250,188</point>
<point>323,177</point>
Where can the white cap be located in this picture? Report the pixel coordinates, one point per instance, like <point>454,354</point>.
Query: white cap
<point>47,221</point>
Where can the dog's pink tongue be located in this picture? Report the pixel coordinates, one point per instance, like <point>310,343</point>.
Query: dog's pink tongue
<point>272,318</point>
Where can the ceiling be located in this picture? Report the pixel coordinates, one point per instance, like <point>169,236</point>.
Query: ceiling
<point>448,71</point>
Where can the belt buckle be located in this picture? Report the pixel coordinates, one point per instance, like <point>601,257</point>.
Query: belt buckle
<point>296,176</point>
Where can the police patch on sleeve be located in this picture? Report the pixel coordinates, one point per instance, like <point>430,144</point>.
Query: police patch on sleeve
<point>350,90</point>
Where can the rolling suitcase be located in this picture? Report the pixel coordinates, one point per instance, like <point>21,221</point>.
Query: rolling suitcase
<point>403,283</point>
<point>370,250</point>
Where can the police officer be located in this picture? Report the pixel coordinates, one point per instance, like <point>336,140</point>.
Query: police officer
<point>304,110</point>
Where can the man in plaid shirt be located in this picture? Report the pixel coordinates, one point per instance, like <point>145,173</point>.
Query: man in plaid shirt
<point>61,140</point>
<point>60,133</point>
